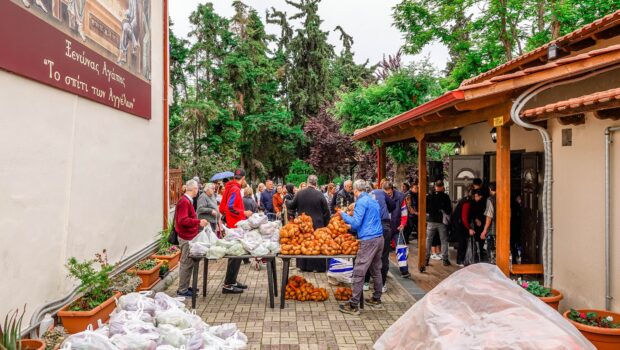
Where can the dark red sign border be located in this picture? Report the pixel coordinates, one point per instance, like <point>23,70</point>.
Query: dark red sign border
<point>34,49</point>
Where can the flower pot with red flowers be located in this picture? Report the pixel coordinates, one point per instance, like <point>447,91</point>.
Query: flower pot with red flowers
<point>170,254</point>
<point>551,297</point>
<point>10,333</point>
<point>97,300</point>
<point>602,328</point>
<point>148,271</point>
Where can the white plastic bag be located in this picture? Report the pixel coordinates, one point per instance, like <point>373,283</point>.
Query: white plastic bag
<point>223,331</point>
<point>251,240</point>
<point>244,225</point>
<point>165,302</point>
<point>171,335</point>
<point>274,247</point>
<point>261,250</point>
<point>88,340</point>
<point>137,301</point>
<point>232,234</point>
<point>135,341</point>
<point>340,270</point>
<point>206,236</point>
<point>236,249</point>
<point>237,341</point>
<point>479,308</point>
<point>175,317</point>
<point>198,248</point>
<point>216,252</point>
<point>268,229</point>
<point>257,219</point>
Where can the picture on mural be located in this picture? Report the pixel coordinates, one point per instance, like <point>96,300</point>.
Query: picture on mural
<point>117,29</point>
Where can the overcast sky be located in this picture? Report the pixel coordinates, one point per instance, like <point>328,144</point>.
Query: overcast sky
<point>368,21</point>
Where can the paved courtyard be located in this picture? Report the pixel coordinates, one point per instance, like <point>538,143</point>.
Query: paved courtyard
<point>301,325</point>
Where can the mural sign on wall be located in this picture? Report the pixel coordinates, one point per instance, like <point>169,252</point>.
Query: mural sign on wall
<point>98,49</point>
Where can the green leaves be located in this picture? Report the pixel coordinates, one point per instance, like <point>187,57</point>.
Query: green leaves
<point>10,330</point>
<point>95,284</point>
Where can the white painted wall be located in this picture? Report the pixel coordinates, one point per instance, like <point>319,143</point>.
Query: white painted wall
<point>579,215</point>
<point>75,177</point>
<point>478,141</point>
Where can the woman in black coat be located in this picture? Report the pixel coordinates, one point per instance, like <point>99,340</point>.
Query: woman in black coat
<point>312,202</point>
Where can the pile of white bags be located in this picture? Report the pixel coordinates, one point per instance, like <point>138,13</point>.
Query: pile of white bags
<point>255,236</point>
<point>167,325</point>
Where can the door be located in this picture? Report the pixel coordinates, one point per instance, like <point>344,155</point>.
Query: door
<point>463,169</point>
<point>531,184</point>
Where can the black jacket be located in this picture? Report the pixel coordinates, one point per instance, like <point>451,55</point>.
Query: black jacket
<point>312,202</point>
<point>435,203</point>
<point>342,199</point>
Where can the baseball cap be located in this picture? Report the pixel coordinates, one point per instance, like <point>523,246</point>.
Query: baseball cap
<point>239,173</point>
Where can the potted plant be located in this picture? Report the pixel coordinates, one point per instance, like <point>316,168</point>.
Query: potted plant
<point>164,269</point>
<point>602,328</point>
<point>167,251</point>
<point>97,301</point>
<point>549,296</point>
<point>10,334</point>
<point>148,271</point>
<point>126,282</point>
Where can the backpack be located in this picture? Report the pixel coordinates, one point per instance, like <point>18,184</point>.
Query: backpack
<point>456,220</point>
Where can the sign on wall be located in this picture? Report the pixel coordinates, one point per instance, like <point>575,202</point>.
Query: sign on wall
<point>98,49</point>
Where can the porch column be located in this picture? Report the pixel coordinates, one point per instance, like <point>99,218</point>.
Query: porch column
<point>380,162</point>
<point>502,212</point>
<point>422,188</point>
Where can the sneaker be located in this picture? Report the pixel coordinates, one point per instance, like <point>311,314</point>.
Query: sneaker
<point>192,289</point>
<point>460,265</point>
<point>187,293</point>
<point>384,289</point>
<point>436,257</point>
<point>373,302</point>
<point>446,263</point>
<point>231,290</point>
<point>240,285</point>
<point>349,309</point>
<point>366,287</point>
<point>405,275</point>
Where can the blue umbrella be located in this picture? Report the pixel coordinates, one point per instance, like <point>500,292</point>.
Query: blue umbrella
<point>221,176</point>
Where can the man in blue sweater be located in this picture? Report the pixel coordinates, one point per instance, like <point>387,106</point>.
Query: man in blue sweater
<point>266,200</point>
<point>366,221</point>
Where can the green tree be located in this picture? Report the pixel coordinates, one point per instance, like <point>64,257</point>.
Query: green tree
<point>299,172</point>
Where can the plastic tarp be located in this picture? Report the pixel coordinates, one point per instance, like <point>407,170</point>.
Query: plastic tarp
<point>480,308</point>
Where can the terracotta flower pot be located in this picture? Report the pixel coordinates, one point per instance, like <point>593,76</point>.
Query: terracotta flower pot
<point>77,321</point>
<point>173,260</point>
<point>554,300</point>
<point>32,344</point>
<point>149,277</point>
<point>601,338</point>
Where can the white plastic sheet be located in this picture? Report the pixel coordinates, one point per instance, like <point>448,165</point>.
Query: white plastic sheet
<point>479,308</point>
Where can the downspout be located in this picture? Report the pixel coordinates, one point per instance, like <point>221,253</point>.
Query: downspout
<point>166,74</point>
<point>515,112</point>
<point>608,141</point>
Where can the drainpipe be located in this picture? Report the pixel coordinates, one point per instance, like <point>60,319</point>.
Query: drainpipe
<point>515,112</point>
<point>608,141</point>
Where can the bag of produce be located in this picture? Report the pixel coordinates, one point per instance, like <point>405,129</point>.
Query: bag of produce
<point>251,240</point>
<point>216,252</point>
<point>233,234</point>
<point>167,347</point>
<point>224,243</point>
<point>165,302</point>
<point>236,249</point>
<point>134,341</point>
<point>224,331</point>
<point>340,270</point>
<point>274,247</point>
<point>137,302</point>
<point>260,250</point>
<point>237,341</point>
<point>175,317</point>
<point>198,248</point>
<point>268,229</point>
<point>244,225</point>
<point>257,219</point>
<point>88,340</point>
<point>171,335</point>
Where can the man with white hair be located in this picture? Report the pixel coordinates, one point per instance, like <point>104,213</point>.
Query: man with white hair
<point>187,225</point>
<point>366,221</point>
<point>344,197</point>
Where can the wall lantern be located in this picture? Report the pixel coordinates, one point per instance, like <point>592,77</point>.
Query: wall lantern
<point>494,135</point>
<point>458,146</point>
<point>552,51</point>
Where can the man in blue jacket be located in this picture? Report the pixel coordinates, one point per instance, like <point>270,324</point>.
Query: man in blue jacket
<point>266,200</point>
<point>366,221</point>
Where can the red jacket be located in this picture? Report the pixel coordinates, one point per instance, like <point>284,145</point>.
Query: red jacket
<point>186,224</point>
<point>232,204</point>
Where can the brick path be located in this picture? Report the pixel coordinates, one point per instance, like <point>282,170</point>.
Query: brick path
<point>301,325</point>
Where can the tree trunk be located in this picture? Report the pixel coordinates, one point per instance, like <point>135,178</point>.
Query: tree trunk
<point>400,174</point>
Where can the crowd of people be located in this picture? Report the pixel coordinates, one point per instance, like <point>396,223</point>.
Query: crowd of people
<point>377,212</point>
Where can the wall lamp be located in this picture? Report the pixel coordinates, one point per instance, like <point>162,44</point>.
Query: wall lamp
<point>494,135</point>
<point>458,146</point>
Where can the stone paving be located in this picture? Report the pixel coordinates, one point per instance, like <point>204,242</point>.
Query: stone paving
<point>301,325</point>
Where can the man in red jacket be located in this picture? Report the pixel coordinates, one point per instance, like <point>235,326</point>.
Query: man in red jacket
<point>187,225</point>
<point>233,210</point>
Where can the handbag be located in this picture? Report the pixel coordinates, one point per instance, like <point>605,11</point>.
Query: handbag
<point>402,250</point>
<point>173,237</point>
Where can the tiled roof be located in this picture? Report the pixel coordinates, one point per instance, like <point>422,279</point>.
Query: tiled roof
<point>578,34</point>
<point>592,100</point>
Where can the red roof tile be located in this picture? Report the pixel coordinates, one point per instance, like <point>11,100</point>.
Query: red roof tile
<point>574,103</point>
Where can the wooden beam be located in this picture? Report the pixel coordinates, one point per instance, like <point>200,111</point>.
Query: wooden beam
<point>502,211</point>
<point>422,186</point>
<point>483,102</point>
<point>577,119</point>
<point>380,162</point>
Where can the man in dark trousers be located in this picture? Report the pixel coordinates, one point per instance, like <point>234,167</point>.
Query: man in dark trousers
<point>312,202</point>
<point>438,204</point>
<point>187,225</point>
<point>398,220</point>
<point>234,211</point>
<point>266,200</point>
<point>386,205</point>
